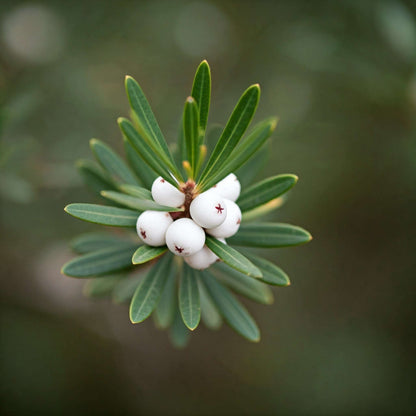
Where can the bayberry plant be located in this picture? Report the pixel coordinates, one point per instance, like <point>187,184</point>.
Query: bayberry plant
<point>189,212</point>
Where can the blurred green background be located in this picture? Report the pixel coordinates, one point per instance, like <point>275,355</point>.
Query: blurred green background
<point>342,78</point>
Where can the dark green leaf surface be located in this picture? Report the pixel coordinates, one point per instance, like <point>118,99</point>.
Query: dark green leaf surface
<point>265,191</point>
<point>85,243</point>
<point>234,130</point>
<point>102,287</point>
<point>136,203</point>
<point>164,314</point>
<point>125,288</point>
<point>189,298</point>
<point>240,283</point>
<point>93,176</point>
<point>146,253</point>
<point>137,191</point>
<point>100,262</point>
<point>147,295</point>
<point>191,133</point>
<point>231,309</point>
<point>112,163</point>
<point>99,214</point>
<point>272,274</point>
<point>179,333</point>
<point>232,257</point>
<point>201,92</point>
<point>269,235</point>
<point>209,312</point>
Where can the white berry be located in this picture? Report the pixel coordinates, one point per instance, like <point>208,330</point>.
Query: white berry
<point>208,209</point>
<point>229,187</point>
<point>152,226</point>
<point>231,224</point>
<point>203,258</point>
<point>166,194</point>
<point>184,237</point>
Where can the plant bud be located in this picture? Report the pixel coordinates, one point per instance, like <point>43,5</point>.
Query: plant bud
<point>184,237</point>
<point>165,193</point>
<point>151,227</point>
<point>231,224</point>
<point>208,209</point>
<point>229,187</point>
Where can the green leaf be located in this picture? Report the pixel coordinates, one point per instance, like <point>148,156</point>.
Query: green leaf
<point>99,214</point>
<point>264,209</point>
<point>164,314</point>
<point>102,287</point>
<point>136,203</point>
<point>179,333</point>
<point>93,176</point>
<point>144,150</point>
<point>100,262</point>
<point>85,243</point>
<point>146,253</point>
<point>147,295</point>
<point>240,283</point>
<point>137,191</point>
<point>234,130</point>
<point>209,312</point>
<point>124,290</point>
<point>141,168</point>
<point>254,141</point>
<point>269,235</point>
<point>272,274</point>
<point>191,133</point>
<point>252,168</point>
<point>148,124</point>
<point>189,298</point>
<point>234,313</point>
<point>112,163</point>
<point>201,92</point>
<point>232,257</point>
<point>264,191</point>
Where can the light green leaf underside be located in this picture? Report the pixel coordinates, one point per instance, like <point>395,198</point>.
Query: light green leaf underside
<point>234,313</point>
<point>86,243</point>
<point>269,235</point>
<point>232,257</point>
<point>93,176</point>
<point>100,214</point>
<point>164,314</point>
<point>137,191</point>
<point>146,253</point>
<point>102,287</point>
<point>179,334</point>
<point>124,290</point>
<point>264,191</point>
<point>147,295</point>
<point>210,315</point>
<point>101,262</point>
<point>189,298</point>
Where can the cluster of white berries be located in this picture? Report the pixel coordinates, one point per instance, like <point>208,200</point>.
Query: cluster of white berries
<point>213,212</point>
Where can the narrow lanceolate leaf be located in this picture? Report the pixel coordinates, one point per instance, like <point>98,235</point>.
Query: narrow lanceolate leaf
<point>209,312</point>
<point>142,170</point>
<point>146,253</point>
<point>164,314</point>
<point>147,295</point>
<point>137,191</point>
<point>272,274</point>
<point>231,309</point>
<point>240,283</point>
<point>147,122</point>
<point>264,209</point>
<point>136,203</point>
<point>93,176</point>
<point>189,298</point>
<point>232,257</point>
<point>102,287</point>
<point>265,191</point>
<point>179,333</point>
<point>86,243</point>
<point>125,288</point>
<point>234,130</point>
<point>191,133</point>
<point>99,214</point>
<point>269,235</point>
<point>112,163</point>
<point>101,262</point>
<point>250,145</point>
<point>144,150</point>
<point>201,92</point>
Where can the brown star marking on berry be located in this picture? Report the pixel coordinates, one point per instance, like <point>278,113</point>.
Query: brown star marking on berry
<point>178,249</point>
<point>162,180</point>
<point>239,221</point>
<point>143,233</point>
<point>219,209</point>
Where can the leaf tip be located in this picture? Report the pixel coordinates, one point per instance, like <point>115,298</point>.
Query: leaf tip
<point>190,100</point>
